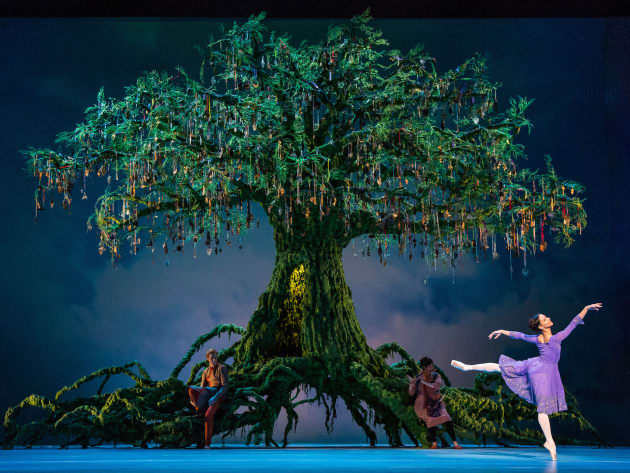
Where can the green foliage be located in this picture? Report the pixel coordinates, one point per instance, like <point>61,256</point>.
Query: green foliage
<point>348,129</point>
<point>126,415</point>
<point>31,433</point>
<point>141,380</point>
<point>178,432</point>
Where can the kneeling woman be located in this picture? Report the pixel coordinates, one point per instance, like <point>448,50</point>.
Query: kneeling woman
<point>429,406</point>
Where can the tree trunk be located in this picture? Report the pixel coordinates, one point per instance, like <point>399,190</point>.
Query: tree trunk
<point>307,309</point>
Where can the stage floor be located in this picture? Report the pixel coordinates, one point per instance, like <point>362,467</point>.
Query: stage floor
<point>305,458</point>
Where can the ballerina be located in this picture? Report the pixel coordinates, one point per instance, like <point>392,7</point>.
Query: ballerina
<point>537,380</point>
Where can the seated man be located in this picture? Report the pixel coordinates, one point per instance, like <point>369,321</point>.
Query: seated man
<point>207,398</point>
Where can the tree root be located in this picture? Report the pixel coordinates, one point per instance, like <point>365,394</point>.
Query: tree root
<point>159,412</point>
<point>216,332</point>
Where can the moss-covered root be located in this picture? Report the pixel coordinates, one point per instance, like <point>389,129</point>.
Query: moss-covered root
<point>127,415</point>
<point>54,407</point>
<point>158,411</point>
<point>264,393</point>
<point>16,434</point>
<point>389,399</point>
<point>196,346</point>
<point>361,416</point>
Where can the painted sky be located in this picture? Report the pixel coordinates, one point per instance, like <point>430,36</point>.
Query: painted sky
<point>66,312</point>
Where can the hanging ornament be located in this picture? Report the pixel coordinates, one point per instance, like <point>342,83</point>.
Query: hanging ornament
<point>525,271</point>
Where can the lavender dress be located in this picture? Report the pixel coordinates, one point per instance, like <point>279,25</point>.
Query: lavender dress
<point>537,380</point>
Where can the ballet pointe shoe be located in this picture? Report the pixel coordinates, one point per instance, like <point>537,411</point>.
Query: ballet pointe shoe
<point>459,365</point>
<point>433,446</point>
<point>457,446</point>
<point>552,450</point>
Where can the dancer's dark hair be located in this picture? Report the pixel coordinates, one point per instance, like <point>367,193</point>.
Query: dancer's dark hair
<point>534,322</point>
<point>426,361</point>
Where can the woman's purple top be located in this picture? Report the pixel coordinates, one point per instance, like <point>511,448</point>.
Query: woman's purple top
<point>537,380</point>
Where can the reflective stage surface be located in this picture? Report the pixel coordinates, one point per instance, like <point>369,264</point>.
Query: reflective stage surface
<point>311,458</point>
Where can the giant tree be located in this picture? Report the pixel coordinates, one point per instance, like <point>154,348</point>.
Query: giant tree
<point>336,140</point>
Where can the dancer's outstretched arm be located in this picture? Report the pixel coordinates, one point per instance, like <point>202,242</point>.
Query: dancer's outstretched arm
<point>577,320</point>
<point>596,306</point>
<point>512,334</point>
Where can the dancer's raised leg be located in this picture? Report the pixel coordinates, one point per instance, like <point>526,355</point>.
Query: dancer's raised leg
<point>487,367</point>
<point>543,420</point>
